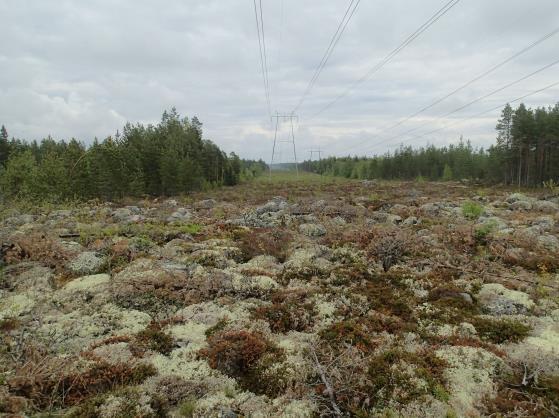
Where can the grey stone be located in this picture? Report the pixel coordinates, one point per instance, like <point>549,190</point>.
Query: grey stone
<point>412,220</point>
<point>518,197</point>
<point>86,263</point>
<point>546,223</point>
<point>496,299</point>
<point>430,209</point>
<point>521,205</point>
<point>59,214</point>
<point>122,214</point>
<point>545,206</point>
<point>275,205</point>
<point>205,204</point>
<point>549,242</point>
<point>312,230</point>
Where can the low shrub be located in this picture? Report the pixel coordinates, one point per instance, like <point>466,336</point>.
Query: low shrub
<point>500,331</point>
<point>245,356</point>
<point>288,311</point>
<point>472,210</point>
<point>264,241</point>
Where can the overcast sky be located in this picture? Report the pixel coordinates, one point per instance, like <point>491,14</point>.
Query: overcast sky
<point>82,69</point>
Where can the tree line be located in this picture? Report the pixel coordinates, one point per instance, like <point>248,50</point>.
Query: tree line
<point>168,158</point>
<point>526,153</point>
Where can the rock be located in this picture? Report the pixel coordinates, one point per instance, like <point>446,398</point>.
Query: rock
<point>312,230</point>
<point>276,204</point>
<point>549,242</point>
<point>20,220</point>
<point>339,221</point>
<point>88,262</point>
<point>430,209</point>
<point>60,214</point>
<point>122,214</point>
<point>171,202</point>
<point>546,223</point>
<point>545,206</point>
<point>205,204</point>
<point>377,217</point>
<point>180,215</point>
<point>412,220</point>
<point>523,205</point>
<point>394,219</point>
<point>16,305</point>
<point>496,299</point>
<point>87,283</point>
<point>518,197</point>
<point>318,206</point>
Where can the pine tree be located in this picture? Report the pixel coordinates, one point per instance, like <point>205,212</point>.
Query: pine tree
<point>4,146</point>
<point>447,173</point>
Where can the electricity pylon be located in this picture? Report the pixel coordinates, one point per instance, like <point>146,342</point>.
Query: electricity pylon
<point>285,117</point>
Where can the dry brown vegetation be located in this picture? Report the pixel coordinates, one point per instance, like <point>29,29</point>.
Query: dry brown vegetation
<point>308,297</point>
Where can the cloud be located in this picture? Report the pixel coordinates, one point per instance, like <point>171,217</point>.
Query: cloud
<point>82,69</point>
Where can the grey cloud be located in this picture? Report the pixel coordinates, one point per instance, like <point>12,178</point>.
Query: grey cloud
<point>82,69</point>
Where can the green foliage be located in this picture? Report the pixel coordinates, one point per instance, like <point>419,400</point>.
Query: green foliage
<point>482,232</point>
<point>447,173</point>
<point>169,158</point>
<point>500,331</point>
<point>526,154</point>
<point>472,210</point>
<point>187,408</point>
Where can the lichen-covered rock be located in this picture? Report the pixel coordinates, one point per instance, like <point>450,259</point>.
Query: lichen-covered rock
<point>312,230</point>
<point>496,299</point>
<point>524,205</point>
<point>545,206</point>
<point>14,306</point>
<point>549,242</point>
<point>430,209</point>
<point>88,262</point>
<point>205,204</point>
<point>517,197</point>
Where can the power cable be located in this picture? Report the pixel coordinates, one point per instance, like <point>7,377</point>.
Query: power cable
<point>434,18</point>
<point>333,42</point>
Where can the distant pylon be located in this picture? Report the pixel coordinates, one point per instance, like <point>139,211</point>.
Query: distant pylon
<point>286,117</point>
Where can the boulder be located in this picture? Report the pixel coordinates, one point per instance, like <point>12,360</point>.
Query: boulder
<point>523,205</point>
<point>88,262</point>
<point>518,197</point>
<point>312,230</point>
<point>548,242</point>
<point>545,206</point>
<point>205,204</point>
<point>274,205</point>
<point>496,299</point>
<point>122,214</point>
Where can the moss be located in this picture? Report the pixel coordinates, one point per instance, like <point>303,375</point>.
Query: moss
<point>500,331</point>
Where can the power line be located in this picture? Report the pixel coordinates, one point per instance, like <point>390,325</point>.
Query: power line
<point>333,42</point>
<point>467,84</point>
<point>545,67</point>
<point>486,111</point>
<point>263,59</point>
<point>434,18</point>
